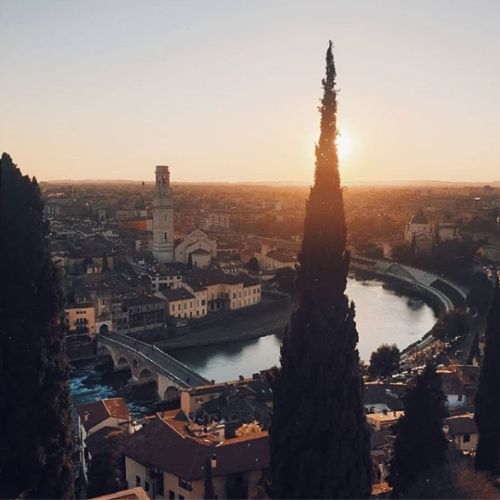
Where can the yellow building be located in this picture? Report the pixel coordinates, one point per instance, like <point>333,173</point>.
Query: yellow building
<point>80,319</point>
<point>384,419</point>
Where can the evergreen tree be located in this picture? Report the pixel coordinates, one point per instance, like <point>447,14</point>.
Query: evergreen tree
<point>420,446</point>
<point>105,473</point>
<point>35,443</point>
<point>488,394</point>
<point>320,445</point>
<point>384,361</point>
<point>209,492</point>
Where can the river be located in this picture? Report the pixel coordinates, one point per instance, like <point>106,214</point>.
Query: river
<point>382,316</point>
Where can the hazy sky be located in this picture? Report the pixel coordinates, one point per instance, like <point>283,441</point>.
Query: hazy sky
<point>228,90</point>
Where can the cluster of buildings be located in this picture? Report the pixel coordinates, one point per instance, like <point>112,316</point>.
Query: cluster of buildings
<point>166,454</point>
<point>226,425</point>
<point>133,273</point>
<point>422,235</point>
<point>384,405</point>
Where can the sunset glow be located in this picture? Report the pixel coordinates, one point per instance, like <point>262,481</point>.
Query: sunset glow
<point>344,145</point>
<point>224,93</point>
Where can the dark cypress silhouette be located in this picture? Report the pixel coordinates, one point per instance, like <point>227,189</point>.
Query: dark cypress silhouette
<point>35,443</point>
<point>421,446</point>
<point>488,394</point>
<point>209,490</point>
<point>320,444</point>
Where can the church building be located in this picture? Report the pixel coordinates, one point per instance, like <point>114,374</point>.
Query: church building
<point>419,233</point>
<point>195,250</point>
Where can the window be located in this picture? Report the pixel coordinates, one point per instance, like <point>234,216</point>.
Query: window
<point>460,397</point>
<point>171,495</point>
<point>181,497</point>
<point>466,438</point>
<point>185,484</point>
<point>159,485</point>
<point>146,486</point>
<point>137,481</point>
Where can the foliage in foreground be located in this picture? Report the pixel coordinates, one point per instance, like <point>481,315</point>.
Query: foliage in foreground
<point>420,447</point>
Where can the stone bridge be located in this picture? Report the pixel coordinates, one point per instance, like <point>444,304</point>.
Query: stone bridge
<point>148,364</point>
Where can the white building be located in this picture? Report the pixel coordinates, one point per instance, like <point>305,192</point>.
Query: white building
<point>163,217</point>
<point>447,231</point>
<point>197,247</point>
<point>97,419</point>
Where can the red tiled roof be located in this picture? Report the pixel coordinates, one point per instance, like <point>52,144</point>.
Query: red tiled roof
<point>93,413</point>
<point>159,444</point>
<point>132,494</point>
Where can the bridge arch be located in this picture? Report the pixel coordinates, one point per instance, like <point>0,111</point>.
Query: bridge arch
<point>170,393</point>
<point>123,363</point>
<point>145,373</point>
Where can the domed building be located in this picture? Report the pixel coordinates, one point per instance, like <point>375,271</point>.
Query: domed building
<point>419,233</point>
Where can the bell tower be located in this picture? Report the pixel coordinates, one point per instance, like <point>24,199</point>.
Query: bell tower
<point>163,217</point>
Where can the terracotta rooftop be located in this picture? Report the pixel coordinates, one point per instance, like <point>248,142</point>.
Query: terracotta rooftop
<point>161,443</point>
<point>92,414</point>
<point>132,494</point>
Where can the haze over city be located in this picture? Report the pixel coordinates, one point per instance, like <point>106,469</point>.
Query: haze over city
<point>225,91</point>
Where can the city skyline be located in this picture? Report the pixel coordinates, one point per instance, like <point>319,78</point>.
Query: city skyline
<point>226,91</point>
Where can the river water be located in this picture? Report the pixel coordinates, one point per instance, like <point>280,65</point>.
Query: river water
<point>382,316</point>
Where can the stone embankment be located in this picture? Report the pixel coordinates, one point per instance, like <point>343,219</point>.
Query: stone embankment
<point>449,295</point>
<point>438,289</point>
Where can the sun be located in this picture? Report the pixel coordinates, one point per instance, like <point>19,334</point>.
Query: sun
<point>344,144</point>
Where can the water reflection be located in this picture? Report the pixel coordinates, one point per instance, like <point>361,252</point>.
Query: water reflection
<point>382,316</point>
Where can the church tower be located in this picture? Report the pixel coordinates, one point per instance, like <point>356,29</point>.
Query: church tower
<point>163,217</point>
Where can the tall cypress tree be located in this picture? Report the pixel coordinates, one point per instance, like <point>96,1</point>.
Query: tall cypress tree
<point>320,444</point>
<point>35,443</point>
<point>421,446</point>
<point>488,394</point>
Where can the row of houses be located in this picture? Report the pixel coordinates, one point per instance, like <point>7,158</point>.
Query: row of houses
<point>191,295</point>
<point>203,291</point>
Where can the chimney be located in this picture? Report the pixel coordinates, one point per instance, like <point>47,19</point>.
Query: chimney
<point>213,461</point>
<point>385,411</point>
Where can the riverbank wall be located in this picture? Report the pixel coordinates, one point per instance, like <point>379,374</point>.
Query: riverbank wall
<point>440,292</point>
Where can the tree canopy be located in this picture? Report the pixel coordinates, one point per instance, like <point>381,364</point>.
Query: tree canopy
<point>488,394</point>
<point>35,446</point>
<point>384,361</point>
<point>420,446</point>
